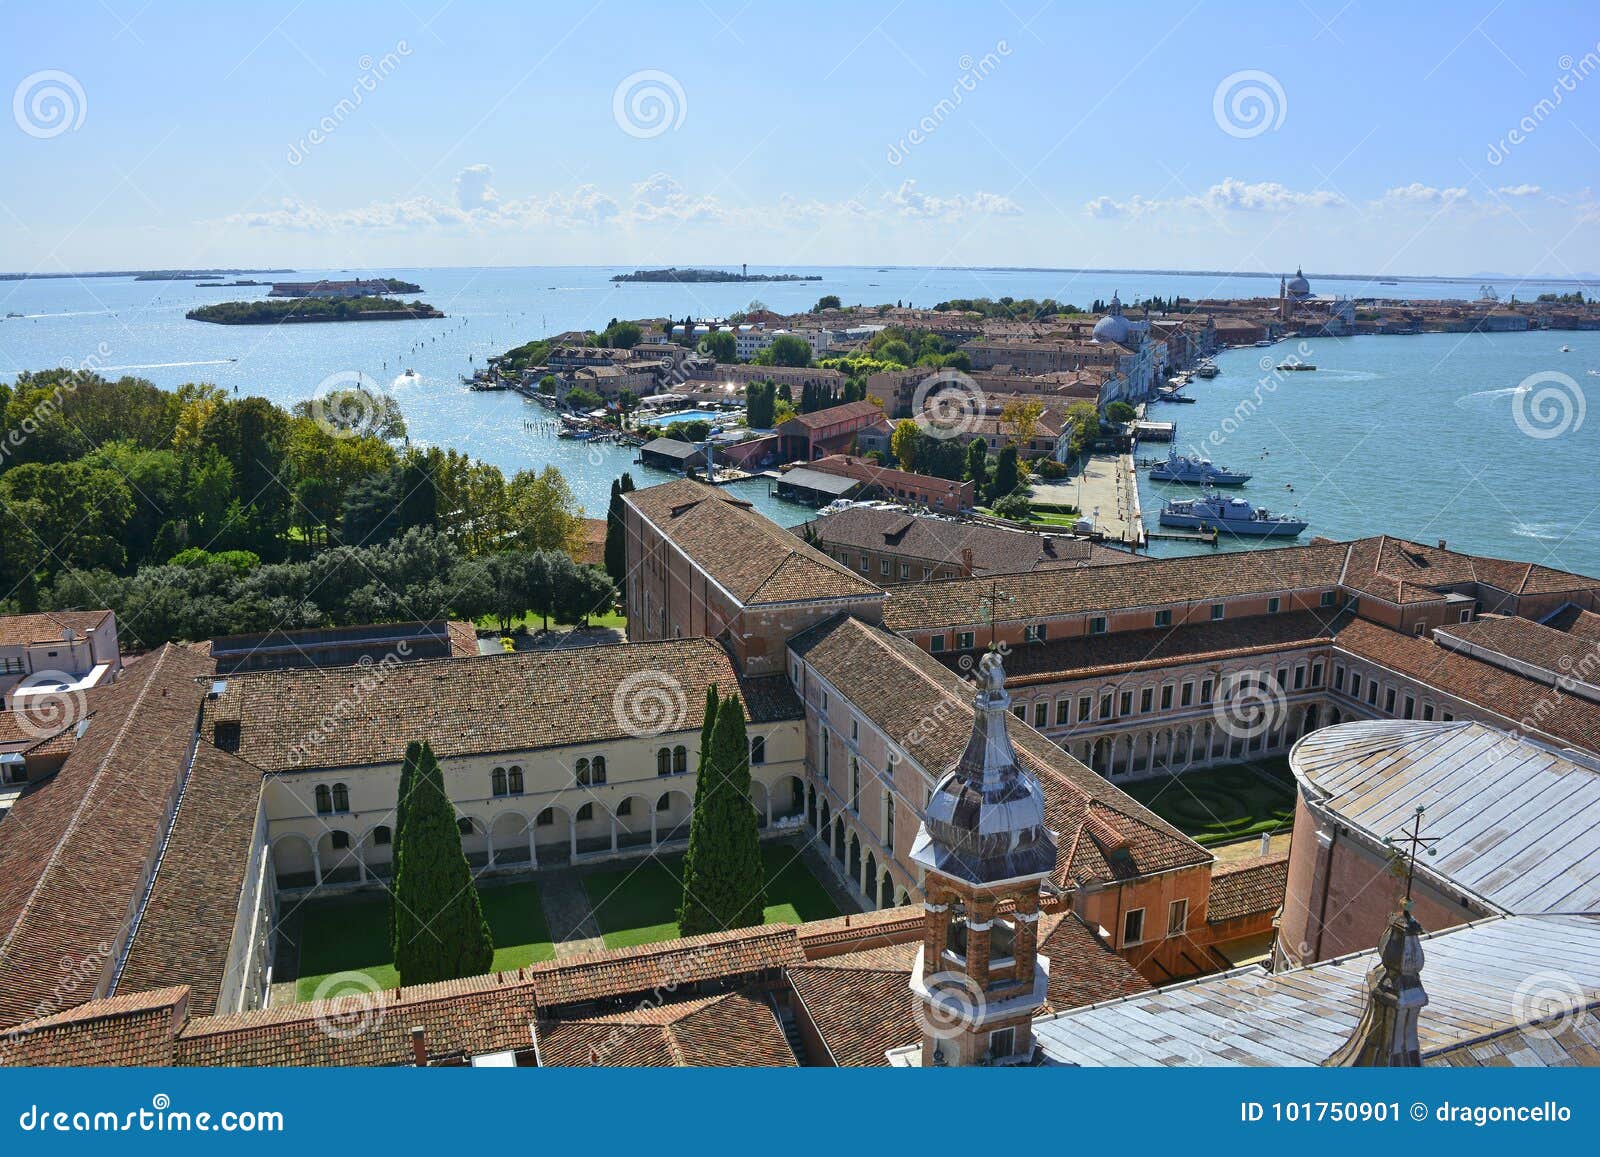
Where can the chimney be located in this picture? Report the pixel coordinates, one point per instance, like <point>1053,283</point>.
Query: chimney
<point>1266,843</point>
<point>419,1046</point>
<point>1441,544</point>
<point>966,559</point>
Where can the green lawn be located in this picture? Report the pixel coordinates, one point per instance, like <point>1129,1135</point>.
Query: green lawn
<point>534,623</point>
<point>1218,805</point>
<point>352,935</point>
<point>636,904</point>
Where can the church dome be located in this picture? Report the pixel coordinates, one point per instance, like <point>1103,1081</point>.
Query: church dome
<point>1299,286</point>
<point>1113,327</point>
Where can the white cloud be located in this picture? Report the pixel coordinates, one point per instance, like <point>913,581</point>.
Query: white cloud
<point>473,190</point>
<point>908,202</point>
<point>1519,190</point>
<point>1417,193</point>
<point>1229,195</point>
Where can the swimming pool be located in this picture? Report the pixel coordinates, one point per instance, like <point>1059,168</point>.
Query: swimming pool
<point>684,416</point>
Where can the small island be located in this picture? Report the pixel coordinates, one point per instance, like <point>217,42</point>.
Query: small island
<point>708,275</point>
<point>299,310</point>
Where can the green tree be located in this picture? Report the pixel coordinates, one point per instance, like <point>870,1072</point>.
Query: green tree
<point>788,350</point>
<point>720,345</point>
<point>1121,412</point>
<point>1007,472</point>
<point>903,442</point>
<point>976,468</point>
<point>616,548</point>
<point>827,301</point>
<point>440,932</point>
<point>544,513</point>
<point>760,405</point>
<point>408,779</point>
<point>724,883</point>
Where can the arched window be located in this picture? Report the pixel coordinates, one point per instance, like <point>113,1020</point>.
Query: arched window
<point>341,798</point>
<point>586,813</point>
<point>464,826</point>
<point>664,803</point>
<point>581,773</point>
<point>324,799</point>
<point>382,835</point>
<point>546,818</point>
<point>680,760</point>
<point>758,749</point>
<point>498,779</point>
<point>597,769</point>
<point>341,840</point>
<point>515,779</point>
<point>625,808</point>
<point>663,761</point>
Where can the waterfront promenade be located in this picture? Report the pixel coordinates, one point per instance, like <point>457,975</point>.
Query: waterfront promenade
<point>1105,490</point>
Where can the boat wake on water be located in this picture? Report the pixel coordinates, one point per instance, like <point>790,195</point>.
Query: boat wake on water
<point>168,365</point>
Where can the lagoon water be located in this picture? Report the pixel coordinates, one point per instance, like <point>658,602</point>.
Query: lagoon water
<point>1414,436</point>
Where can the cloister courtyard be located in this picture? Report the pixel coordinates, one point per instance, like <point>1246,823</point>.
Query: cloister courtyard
<point>1218,805</point>
<point>531,919</point>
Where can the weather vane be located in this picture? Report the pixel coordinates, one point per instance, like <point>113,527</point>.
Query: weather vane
<point>991,609</point>
<point>1407,841</point>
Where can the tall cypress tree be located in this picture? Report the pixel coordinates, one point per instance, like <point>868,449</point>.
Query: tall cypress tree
<point>408,777</point>
<point>616,548</point>
<point>724,883</point>
<point>440,932</point>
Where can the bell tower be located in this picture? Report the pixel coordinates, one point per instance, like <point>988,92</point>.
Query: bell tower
<point>979,980</point>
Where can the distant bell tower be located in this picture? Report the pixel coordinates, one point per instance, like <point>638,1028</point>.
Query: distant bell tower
<point>984,848</point>
<point>744,270</point>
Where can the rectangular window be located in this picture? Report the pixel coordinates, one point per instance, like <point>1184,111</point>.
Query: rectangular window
<point>1447,716</point>
<point>758,749</point>
<point>1063,712</point>
<point>1216,612</point>
<point>1163,618</point>
<point>1299,678</point>
<point>1097,625</point>
<point>1177,917</point>
<point>1187,698</point>
<point>1147,698</point>
<point>1411,706</point>
<point>1422,629</point>
<point>824,700</point>
<point>905,572</point>
<point>1372,692</point>
<point>883,567</point>
<point>1466,616</point>
<point>1126,704</point>
<point>1355,684</point>
<point>865,565</point>
<point>1020,711</point>
<point>1039,713</point>
<point>1329,598</point>
<point>1105,707</point>
<point>1166,695</point>
<point>1316,674</point>
<point>964,640</point>
<point>1205,691</point>
<point>936,644</point>
<point>1388,701</point>
<point>1083,709</point>
<point>1034,634</point>
<point>1002,1043</point>
<point>1272,605</point>
<point>927,573</point>
<point>1427,712</point>
<point>1133,927</point>
<point>1338,678</point>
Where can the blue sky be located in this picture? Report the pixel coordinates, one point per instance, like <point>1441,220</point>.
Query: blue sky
<point>1014,133</point>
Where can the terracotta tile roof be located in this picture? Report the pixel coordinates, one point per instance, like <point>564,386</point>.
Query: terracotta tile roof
<point>463,639</point>
<point>1525,702</point>
<point>663,967</point>
<point>75,853</point>
<point>1154,582</point>
<point>750,556</point>
<point>1410,572</point>
<point>727,1030</point>
<point>927,711</point>
<point>1576,621</point>
<point>136,1029</point>
<point>938,540</point>
<point>1528,642</point>
<point>859,932</point>
<point>860,1003</point>
<point>1092,655</point>
<point>186,930</point>
<point>47,626</point>
<point>1083,968</point>
<point>833,415</point>
<point>1247,887</point>
<point>348,716</point>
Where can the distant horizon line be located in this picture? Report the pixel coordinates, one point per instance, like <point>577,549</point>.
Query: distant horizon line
<point>1584,278</point>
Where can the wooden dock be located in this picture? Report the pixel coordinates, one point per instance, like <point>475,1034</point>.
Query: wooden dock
<point>1207,537</point>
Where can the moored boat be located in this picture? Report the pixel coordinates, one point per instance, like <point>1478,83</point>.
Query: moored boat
<point>1195,470</point>
<point>1231,515</point>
